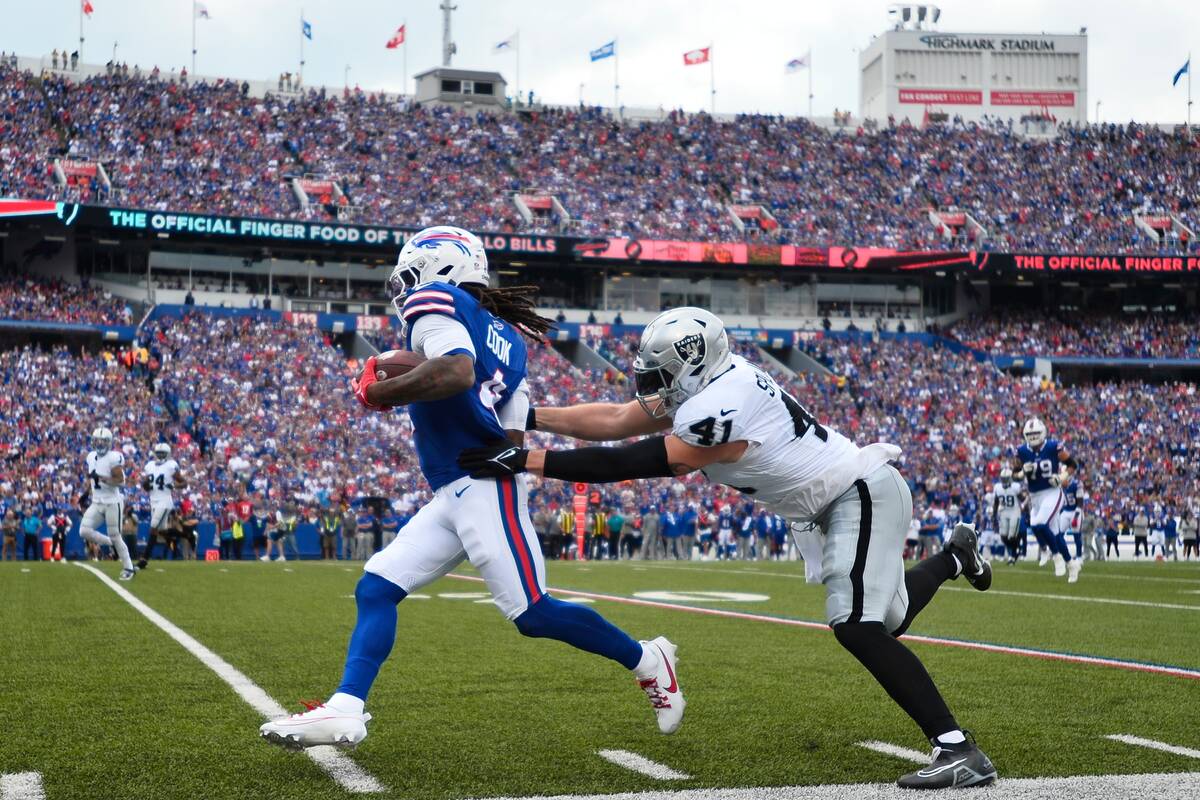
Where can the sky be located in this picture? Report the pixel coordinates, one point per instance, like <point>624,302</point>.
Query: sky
<point>1133,48</point>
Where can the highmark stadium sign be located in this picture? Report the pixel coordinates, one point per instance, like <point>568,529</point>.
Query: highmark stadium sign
<point>950,41</point>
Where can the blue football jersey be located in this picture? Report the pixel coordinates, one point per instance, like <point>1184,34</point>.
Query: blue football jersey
<point>443,428</point>
<point>725,521</point>
<point>1071,497</point>
<point>1045,464</point>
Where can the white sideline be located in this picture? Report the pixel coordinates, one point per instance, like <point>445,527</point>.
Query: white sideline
<point>1152,786</point>
<point>1138,741</point>
<point>895,750</point>
<point>22,786</point>
<point>1078,598</point>
<point>349,775</point>
<point>628,760</point>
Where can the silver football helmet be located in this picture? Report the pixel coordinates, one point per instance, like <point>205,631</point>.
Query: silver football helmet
<point>1005,476</point>
<point>1035,432</point>
<point>680,352</point>
<point>162,451</point>
<point>102,440</point>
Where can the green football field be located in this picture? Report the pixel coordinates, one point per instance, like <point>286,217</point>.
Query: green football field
<point>100,702</point>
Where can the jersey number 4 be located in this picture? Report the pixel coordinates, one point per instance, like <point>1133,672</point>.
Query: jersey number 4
<point>802,421</point>
<point>705,431</point>
<point>160,482</point>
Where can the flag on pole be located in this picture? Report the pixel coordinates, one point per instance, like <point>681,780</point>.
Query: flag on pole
<point>1186,69</point>
<point>306,29</point>
<point>797,64</point>
<point>604,51</point>
<point>509,44</point>
<point>87,7</point>
<point>397,37</point>
<point>202,11</point>
<point>693,57</point>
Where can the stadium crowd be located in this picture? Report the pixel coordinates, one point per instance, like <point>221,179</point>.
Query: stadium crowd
<point>258,414</point>
<point>1083,333</point>
<point>27,297</point>
<point>213,148</point>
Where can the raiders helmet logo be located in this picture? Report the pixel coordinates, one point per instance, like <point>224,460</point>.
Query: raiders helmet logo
<point>691,348</point>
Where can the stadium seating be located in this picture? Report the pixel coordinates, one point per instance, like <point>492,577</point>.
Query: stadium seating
<point>209,148</point>
<point>1084,334</point>
<point>26,297</point>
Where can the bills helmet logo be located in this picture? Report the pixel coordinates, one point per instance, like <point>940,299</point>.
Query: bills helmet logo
<point>691,348</point>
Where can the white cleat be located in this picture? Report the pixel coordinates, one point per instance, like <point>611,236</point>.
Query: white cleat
<point>318,725</point>
<point>264,558</point>
<point>663,688</point>
<point>282,558</point>
<point>1073,570</point>
<point>1043,557</point>
<point>1060,566</point>
<point>126,575</point>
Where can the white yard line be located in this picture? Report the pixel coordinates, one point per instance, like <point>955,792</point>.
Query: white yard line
<point>1138,741</point>
<point>895,750</point>
<point>628,760</point>
<point>1169,786</point>
<point>22,786</point>
<point>349,775</point>
<point>1078,598</point>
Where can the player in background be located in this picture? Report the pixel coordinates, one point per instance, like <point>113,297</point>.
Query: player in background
<point>718,413</point>
<point>106,476</point>
<point>1006,509</point>
<point>471,389</point>
<point>1047,466</point>
<point>725,536</point>
<point>160,475</point>
<point>1071,518</point>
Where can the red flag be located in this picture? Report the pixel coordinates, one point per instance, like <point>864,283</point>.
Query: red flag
<point>87,7</point>
<point>693,57</point>
<point>397,38</point>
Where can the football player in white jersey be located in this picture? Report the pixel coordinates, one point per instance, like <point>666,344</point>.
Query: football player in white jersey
<point>159,477</point>
<point>106,476</point>
<point>1006,508</point>
<point>729,419</point>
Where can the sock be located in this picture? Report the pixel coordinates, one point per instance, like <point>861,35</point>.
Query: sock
<point>93,535</point>
<point>374,633</point>
<point>950,737</point>
<point>899,672</point>
<point>346,703</point>
<point>648,665</point>
<point>118,543</point>
<point>581,627</point>
<point>1060,544</point>
<point>922,581</point>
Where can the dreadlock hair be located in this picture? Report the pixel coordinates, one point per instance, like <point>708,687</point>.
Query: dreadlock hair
<point>514,305</point>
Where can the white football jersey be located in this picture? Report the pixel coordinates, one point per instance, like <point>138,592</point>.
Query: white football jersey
<point>99,470</point>
<point>162,477</point>
<point>1009,498</point>
<point>793,466</point>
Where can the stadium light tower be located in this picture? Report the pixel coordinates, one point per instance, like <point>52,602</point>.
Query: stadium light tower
<point>448,47</point>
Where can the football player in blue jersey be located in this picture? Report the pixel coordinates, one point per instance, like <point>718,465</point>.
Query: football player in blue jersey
<point>1047,467</point>
<point>1071,516</point>
<point>470,391</point>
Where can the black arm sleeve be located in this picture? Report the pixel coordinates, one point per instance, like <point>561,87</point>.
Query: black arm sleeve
<point>1070,462</point>
<point>644,459</point>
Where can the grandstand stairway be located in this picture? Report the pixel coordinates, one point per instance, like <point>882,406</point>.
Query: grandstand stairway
<point>794,360</point>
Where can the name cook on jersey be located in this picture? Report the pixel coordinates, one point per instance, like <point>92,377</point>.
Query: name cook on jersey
<point>498,344</point>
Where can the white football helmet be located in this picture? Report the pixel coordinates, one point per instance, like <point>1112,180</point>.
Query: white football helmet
<point>680,352</point>
<point>162,451</point>
<point>1005,476</point>
<point>102,440</point>
<point>442,253</point>
<point>1035,432</point>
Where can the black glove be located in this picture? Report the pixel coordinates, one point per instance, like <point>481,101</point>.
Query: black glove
<point>147,484</point>
<point>497,460</point>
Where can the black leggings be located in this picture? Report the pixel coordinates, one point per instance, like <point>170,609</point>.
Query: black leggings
<point>32,543</point>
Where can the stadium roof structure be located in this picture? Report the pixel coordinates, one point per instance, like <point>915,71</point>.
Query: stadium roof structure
<point>462,74</point>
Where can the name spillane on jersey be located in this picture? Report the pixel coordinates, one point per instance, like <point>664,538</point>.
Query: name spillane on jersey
<point>1008,498</point>
<point>99,470</point>
<point>162,479</point>
<point>1045,464</point>
<point>443,428</point>
<point>793,465</point>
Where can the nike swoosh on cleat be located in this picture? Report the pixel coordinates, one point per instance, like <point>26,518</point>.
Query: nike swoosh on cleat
<point>459,493</point>
<point>929,773</point>
<point>674,685</point>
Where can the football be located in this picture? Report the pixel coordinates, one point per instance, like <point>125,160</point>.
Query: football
<point>395,363</point>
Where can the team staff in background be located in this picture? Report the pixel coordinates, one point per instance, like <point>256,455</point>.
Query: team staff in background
<point>60,523</point>
<point>329,526</point>
<point>32,526</point>
<point>651,522</point>
<point>10,524</point>
<point>1141,533</point>
<point>1189,533</point>
<point>349,530</point>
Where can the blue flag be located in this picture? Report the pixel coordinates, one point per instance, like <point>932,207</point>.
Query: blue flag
<point>604,51</point>
<point>306,29</point>
<point>1186,69</point>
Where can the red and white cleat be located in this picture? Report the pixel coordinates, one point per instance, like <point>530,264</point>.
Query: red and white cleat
<point>317,725</point>
<point>662,687</point>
